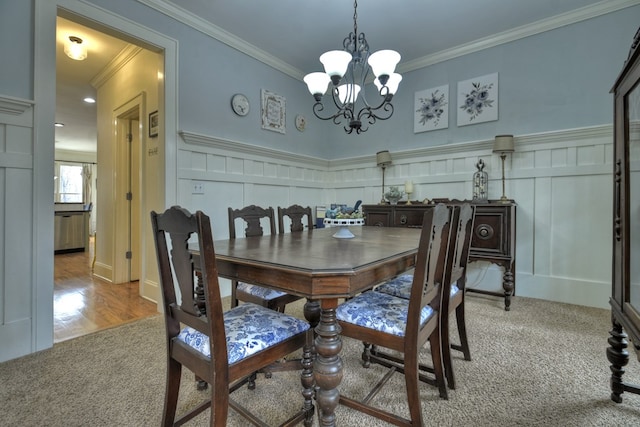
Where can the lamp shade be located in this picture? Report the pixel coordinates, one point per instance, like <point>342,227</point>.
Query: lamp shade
<point>335,62</point>
<point>383,158</point>
<point>383,62</point>
<point>317,83</point>
<point>503,144</point>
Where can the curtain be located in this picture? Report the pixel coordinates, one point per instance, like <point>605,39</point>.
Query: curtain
<point>86,182</point>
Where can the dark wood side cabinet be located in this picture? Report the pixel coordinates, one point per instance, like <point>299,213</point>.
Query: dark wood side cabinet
<point>493,237</point>
<point>625,292</point>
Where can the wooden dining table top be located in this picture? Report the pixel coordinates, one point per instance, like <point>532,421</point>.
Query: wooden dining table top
<point>316,265</point>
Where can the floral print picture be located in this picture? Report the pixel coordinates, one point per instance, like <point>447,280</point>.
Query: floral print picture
<point>431,109</point>
<point>478,100</point>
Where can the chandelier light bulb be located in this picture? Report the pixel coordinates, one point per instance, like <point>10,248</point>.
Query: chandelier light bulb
<point>392,83</point>
<point>348,94</point>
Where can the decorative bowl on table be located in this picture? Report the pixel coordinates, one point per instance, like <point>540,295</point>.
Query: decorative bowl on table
<point>343,223</point>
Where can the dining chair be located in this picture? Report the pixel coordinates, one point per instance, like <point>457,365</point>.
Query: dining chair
<point>222,348</point>
<point>242,291</point>
<point>296,214</point>
<point>401,287</point>
<point>405,325</point>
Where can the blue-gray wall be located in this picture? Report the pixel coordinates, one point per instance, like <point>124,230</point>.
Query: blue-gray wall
<point>559,79</point>
<point>555,80</point>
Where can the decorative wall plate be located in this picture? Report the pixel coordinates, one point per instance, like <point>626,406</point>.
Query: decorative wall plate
<point>301,122</point>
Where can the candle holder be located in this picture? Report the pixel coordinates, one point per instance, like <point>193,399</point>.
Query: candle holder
<point>408,188</point>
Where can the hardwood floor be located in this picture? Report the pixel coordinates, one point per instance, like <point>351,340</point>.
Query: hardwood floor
<point>83,304</point>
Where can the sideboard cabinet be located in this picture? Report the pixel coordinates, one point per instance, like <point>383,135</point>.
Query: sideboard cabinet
<point>625,291</point>
<point>493,237</point>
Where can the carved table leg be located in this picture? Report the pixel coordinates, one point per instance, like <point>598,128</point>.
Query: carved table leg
<point>327,368</point>
<point>508,286</point>
<point>312,314</point>
<point>619,357</point>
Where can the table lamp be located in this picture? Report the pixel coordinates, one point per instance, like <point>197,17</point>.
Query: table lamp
<point>383,159</point>
<point>503,144</point>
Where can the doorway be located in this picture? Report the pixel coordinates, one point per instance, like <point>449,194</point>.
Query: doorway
<point>128,183</point>
<point>119,281</point>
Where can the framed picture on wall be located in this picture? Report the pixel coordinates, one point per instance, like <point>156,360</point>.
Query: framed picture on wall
<point>431,109</point>
<point>273,111</point>
<point>478,100</point>
<point>153,124</point>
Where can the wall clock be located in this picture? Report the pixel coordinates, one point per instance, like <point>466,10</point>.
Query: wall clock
<point>240,104</point>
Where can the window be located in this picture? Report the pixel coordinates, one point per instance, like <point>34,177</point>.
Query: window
<point>68,183</point>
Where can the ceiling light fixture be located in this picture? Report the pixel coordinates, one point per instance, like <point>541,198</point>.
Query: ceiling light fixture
<point>75,49</point>
<point>89,100</point>
<point>348,70</point>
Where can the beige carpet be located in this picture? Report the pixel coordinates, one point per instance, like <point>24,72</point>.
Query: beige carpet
<point>542,363</point>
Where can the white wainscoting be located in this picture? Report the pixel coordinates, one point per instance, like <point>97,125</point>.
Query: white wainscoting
<point>560,180</point>
<point>18,285</point>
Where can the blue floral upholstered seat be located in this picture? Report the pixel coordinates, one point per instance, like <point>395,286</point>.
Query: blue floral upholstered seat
<point>259,291</point>
<point>400,286</point>
<point>249,328</point>
<point>381,312</point>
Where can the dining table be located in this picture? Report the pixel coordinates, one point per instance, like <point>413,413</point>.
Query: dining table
<point>325,270</point>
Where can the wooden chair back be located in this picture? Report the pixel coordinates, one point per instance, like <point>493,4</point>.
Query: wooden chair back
<point>296,214</point>
<point>429,278</point>
<point>252,216</point>
<point>461,245</point>
<point>178,262</point>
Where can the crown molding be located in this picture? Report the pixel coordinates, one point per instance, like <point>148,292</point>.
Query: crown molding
<point>222,36</point>
<point>116,64</point>
<point>14,106</point>
<point>587,12</point>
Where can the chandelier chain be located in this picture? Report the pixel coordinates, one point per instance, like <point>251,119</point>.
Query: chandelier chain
<point>355,17</point>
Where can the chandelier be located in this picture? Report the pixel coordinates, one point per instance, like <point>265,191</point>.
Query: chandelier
<point>347,70</point>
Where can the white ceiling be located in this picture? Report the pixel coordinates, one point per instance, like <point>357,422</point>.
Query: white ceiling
<point>297,32</point>
<point>73,85</point>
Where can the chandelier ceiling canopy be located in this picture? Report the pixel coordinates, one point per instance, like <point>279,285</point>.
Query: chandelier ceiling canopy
<point>347,71</point>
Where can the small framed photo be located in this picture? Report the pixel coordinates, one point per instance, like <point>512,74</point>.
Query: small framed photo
<point>153,124</point>
<point>273,111</point>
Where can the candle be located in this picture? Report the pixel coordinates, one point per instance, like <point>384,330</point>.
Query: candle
<point>408,187</point>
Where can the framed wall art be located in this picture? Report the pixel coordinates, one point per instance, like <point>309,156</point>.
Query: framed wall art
<point>273,111</point>
<point>431,109</point>
<point>478,100</point>
<point>154,124</point>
